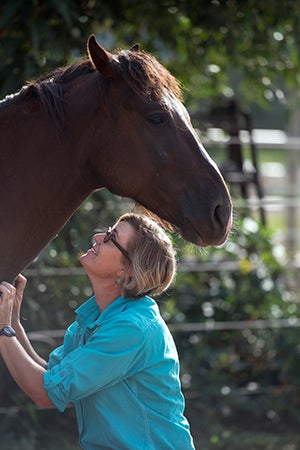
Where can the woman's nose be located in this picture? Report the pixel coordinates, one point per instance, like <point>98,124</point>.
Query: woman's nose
<point>98,237</point>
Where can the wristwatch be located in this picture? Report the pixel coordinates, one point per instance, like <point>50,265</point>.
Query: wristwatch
<point>7,331</point>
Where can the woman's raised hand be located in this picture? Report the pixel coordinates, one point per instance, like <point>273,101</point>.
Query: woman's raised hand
<point>19,283</point>
<point>7,299</point>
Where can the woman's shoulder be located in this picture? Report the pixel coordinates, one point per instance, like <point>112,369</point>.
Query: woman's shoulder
<point>143,306</point>
<point>142,313</point>
<point>137,321</point>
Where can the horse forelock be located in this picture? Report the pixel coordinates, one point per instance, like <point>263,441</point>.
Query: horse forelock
<point>146,76</point>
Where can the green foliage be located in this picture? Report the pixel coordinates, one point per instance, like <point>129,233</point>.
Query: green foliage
<point>48,430</point>
<point>253,287</point>
<point>237,438</point>
<point>244,370</point>
<point>227,47</point>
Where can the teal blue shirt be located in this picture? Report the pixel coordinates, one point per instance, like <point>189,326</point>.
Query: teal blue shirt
<point>120,369</point>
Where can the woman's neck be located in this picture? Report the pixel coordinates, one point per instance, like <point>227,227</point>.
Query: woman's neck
<point>105,293</point>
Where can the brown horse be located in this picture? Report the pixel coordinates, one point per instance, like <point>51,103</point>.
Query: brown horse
<point>110,120</point>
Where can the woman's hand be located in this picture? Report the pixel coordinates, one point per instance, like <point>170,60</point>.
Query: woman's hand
<point>20,283</point>
<point>7,298</point>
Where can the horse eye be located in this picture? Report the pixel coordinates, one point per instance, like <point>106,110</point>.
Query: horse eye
<point>156,118</point>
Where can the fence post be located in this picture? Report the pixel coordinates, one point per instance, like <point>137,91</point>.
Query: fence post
<point>293,131</point>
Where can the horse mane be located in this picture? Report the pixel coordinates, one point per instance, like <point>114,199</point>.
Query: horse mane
<point>140,70</point>
<point>146,76</point>
<point>49,87</point>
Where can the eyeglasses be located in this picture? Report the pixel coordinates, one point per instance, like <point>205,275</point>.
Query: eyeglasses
<point>109,236</point>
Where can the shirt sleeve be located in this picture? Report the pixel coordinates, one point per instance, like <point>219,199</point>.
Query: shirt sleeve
<point>68,345</point>
<point>114,352</point>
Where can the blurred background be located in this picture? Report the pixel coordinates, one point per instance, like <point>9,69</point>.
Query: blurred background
<point>234,310</point>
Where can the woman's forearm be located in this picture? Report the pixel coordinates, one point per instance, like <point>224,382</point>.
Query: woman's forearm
<point>26,344</point>
<point>26,372</point>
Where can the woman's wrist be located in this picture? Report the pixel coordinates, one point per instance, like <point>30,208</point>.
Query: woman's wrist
<point>15,323</point>
<point>5,324</point>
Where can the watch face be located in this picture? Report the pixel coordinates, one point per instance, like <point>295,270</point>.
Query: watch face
<point>7,331</point>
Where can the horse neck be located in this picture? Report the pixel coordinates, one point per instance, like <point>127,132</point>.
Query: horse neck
<point>43,181</point>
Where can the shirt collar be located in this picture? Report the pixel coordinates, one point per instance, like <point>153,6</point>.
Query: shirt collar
<point>89,312</point>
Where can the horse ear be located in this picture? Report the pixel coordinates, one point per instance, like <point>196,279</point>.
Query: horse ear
<point>135,48</point>
<point>99,57</point>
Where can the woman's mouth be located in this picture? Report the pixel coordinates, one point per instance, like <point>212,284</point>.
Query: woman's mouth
<point>93,249</point>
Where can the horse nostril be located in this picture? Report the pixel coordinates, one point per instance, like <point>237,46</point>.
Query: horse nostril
<point>223,216</point>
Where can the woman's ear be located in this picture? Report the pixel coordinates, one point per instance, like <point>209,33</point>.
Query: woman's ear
<point>129,270</point>
<point>126,272</point>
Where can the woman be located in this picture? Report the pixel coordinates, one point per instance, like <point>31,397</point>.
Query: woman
<point>118,363</point>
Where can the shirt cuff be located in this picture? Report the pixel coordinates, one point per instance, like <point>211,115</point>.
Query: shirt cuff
<point>57,385</point>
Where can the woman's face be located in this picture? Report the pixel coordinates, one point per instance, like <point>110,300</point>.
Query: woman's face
<point>105,259</point>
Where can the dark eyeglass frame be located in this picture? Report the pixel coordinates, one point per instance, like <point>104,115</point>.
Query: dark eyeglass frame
<point>109,236</point>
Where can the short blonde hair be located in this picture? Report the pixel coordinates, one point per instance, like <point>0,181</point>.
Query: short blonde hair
<point>152,256</point>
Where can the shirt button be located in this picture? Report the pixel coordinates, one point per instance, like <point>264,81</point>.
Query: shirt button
<point>62,374</point>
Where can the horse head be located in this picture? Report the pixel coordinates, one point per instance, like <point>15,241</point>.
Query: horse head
<point>155,156</point>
